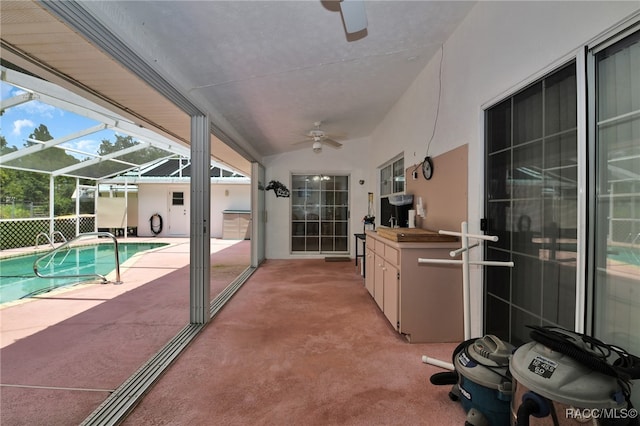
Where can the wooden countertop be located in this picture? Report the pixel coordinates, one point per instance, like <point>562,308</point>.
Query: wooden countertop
<point>413,235</point>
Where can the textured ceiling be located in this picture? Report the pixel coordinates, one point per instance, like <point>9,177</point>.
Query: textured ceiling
<point>267,70</point>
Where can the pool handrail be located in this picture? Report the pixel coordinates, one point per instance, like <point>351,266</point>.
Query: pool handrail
<point>53,236</point>
<point>51,239</point>
<point>44,234</point>
<point>66,245</point>
<point>54,258</point>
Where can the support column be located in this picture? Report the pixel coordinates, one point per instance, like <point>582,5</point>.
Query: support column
<point>95,207</point>
<point>77,207</point>
<point>126,208</point>
<point>200,230</point>
<point>52,199</point>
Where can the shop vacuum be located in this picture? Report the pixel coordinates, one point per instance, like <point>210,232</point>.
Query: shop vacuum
<point>568,378</point>
<point>559,378</point>
<point>481,380</point>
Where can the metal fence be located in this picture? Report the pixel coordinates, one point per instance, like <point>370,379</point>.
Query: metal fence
<point>15,209</point>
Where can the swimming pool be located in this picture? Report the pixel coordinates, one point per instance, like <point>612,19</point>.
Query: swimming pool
<point>17,279</point>
<point>630,255</point>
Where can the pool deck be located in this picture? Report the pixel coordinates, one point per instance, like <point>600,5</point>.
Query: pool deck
<point>70,348</point>
<point>66,302</point>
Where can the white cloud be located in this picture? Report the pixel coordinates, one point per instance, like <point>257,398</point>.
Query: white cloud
<point>86,145</point>
<point>39,108</point>
<point>19,124</point>
<point>6,90</point>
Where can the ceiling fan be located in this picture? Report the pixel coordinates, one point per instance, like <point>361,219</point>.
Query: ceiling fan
<point>353,15</point>
<point>319,137</point>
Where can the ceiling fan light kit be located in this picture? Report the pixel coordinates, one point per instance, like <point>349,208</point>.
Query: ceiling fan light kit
<point>319,138</point>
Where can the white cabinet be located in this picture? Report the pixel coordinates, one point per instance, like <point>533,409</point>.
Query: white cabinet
<point>369,270</point>
<point>236,225</point>
<point>421,301</point>
<point>378,281</point>
<point>391,289</point>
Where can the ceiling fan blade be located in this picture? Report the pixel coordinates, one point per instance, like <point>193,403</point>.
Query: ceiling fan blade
<point>301,142</point>
<point>331,142</point>
<point>353,15</point>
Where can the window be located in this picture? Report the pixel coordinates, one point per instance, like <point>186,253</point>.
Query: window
<point>177,198</point>
<point>391,182</point>
<point>392,177</point>
<point>531,205</point>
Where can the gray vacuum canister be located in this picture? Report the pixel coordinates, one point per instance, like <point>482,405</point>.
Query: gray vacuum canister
<point>562,379</point>
<point>488,351</point>
<point>568,378</point>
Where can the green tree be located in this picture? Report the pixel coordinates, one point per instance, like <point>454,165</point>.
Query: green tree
<point>40,133</point>
<point>139,157</point>
<point>4,146</point>
<point>63,189</point>
<point>27,187</point>
<point>47,160</point>
<point>20,185</point>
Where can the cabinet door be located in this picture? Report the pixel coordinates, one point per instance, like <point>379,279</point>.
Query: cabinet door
<point>369,272</point>
<point>391,302</point>
<point>378,281</point>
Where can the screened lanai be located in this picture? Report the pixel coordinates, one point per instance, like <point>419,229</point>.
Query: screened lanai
<point>48,130</point>
<point>25,97</point>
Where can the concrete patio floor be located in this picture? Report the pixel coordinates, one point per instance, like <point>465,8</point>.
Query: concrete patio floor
<point>302,342</point>
<point>63,352</point>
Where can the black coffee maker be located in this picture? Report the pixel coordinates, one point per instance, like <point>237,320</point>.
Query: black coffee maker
<point>401,204</point>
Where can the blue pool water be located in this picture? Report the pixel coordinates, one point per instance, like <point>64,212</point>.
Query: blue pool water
<point>629,255</point>
<point>17,279</point>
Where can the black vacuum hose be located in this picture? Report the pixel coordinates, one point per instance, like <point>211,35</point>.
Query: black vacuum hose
<point>155,229</point>
<point>566,347</point>
<point>624,369</point>
<point>445,378</point>
<point>526,409</point>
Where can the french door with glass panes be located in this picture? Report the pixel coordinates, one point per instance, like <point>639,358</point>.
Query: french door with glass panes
<point>319,213</point>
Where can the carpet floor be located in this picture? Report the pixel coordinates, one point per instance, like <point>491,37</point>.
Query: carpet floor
<point>302,342</point>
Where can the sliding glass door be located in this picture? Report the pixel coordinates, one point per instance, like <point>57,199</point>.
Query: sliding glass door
<point>531,205</point>
<point>258,214</point>
<point>615,233</point>
<point>319,213</point>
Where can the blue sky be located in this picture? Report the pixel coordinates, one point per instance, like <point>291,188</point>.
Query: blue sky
<point>17,123</point>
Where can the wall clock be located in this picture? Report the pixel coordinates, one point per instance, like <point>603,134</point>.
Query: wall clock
<point>427,168</point>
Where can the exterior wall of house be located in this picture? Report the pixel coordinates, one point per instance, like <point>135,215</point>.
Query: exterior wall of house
<point>498,48</point>
<point>152,199</point>
<point>155,198</point>
<point>350,159</point>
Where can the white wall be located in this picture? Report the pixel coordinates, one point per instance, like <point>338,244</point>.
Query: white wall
<point>153,198</point>
<point>351,159</point>
<point>227,197</point>
<point>499,47</point>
